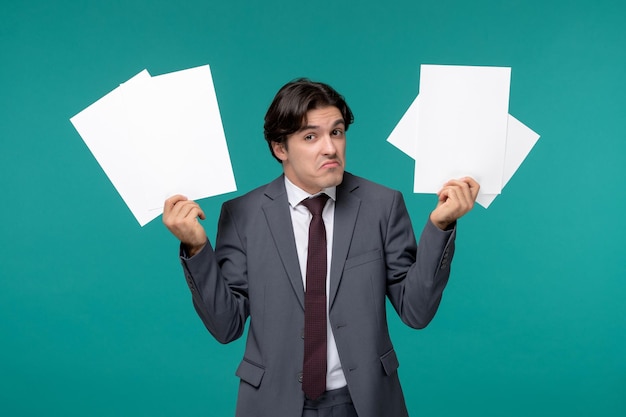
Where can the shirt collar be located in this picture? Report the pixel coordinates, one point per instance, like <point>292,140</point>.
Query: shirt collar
<point>296,194</point>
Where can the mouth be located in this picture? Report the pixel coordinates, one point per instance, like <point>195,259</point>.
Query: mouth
<point>331,164</point>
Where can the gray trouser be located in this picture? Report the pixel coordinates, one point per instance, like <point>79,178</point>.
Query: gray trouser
<point>335,403</point>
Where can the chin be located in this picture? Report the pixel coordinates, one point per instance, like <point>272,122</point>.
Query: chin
<point>335,179</point>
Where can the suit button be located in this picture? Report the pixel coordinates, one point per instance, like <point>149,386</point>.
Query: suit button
<point>302,334</point>
<point>300,377</point>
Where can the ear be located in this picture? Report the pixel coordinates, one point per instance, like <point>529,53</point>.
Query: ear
<point>280,150</point>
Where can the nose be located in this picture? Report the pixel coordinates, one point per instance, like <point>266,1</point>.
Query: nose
<point>328,145</point>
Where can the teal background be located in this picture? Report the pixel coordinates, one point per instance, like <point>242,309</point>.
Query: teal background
<point>95,316</point>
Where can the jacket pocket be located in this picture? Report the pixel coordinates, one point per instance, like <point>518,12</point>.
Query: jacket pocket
<point>363,258</point>
<point>250,372</point>
<point>390,362</point>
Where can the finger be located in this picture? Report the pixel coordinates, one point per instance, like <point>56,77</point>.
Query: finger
<point>443,194</point>
<point>458,184</point>
<point>457,197</point>
<point>175,209</point>
<point>172,201</point>
<point>474,187</point>
<point>182,208</point>
<point>468,186</point>
<point>198,212</point>
<point>182,212</point>
<point>188,210</point>
<point>195,210</point>
<point>449,195</point>
<point>466,194</point>
<point>460,200</point>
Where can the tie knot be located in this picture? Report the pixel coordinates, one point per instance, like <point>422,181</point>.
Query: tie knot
<point>315,204</point>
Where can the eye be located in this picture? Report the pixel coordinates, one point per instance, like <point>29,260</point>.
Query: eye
<point>309,137</point>
<point>337,132</point>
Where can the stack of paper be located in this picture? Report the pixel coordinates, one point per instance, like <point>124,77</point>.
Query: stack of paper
<point>459,126</point>
<point>159,136</point>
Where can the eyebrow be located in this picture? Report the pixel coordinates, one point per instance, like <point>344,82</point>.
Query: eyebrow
<point>337,123</point>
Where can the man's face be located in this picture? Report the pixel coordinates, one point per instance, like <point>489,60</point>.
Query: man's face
<point>314,157</point>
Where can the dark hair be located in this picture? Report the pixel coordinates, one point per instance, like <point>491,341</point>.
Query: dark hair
<point>287,113</point>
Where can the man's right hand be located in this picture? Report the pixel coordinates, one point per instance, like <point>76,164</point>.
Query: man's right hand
<point>180,216</point>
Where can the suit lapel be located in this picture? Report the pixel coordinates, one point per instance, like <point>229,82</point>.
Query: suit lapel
<point>278,218</point>
<point>346,211</point>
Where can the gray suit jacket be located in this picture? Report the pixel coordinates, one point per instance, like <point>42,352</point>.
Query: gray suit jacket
<point>254,272</point>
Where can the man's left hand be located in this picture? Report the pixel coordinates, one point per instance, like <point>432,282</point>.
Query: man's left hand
<point>456,198</point>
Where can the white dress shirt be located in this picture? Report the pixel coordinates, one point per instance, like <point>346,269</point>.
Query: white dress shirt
<point>301,218</point>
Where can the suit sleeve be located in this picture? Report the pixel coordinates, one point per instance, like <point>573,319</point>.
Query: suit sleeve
<point>218,283</point>
<point>416,276</point>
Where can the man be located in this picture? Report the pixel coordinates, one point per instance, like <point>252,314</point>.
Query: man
<point>260,268</point>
